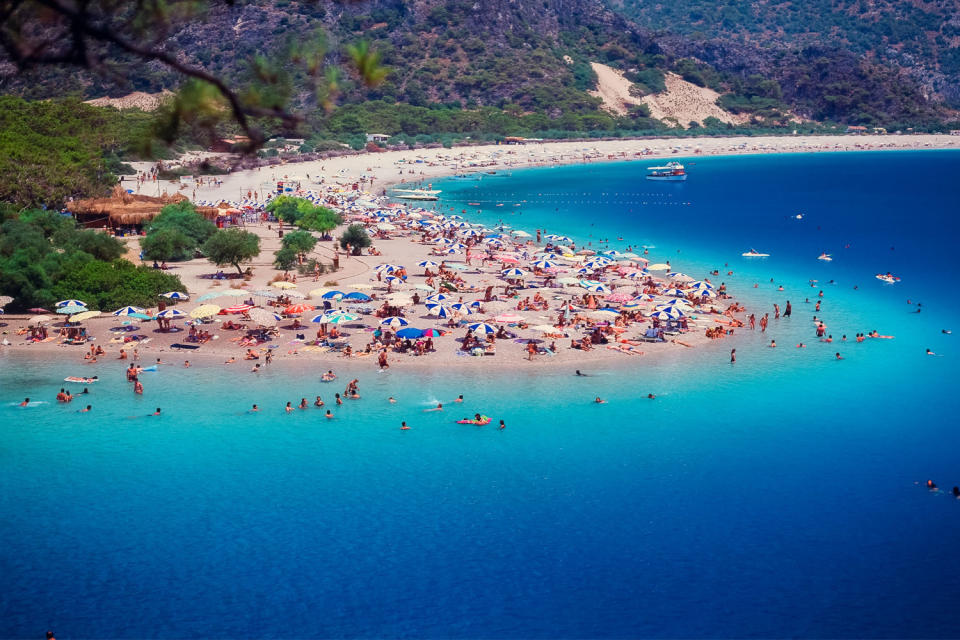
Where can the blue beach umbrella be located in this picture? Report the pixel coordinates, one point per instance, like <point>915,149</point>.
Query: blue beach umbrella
<point>128,311</point>
<point>674,292</point>
<point>209,296</point>
<point>394,322</point>
<point>332,295</point>
<point>357,296</point>
<point>410,332</point>
<point>482,327</point>
<point>513,273</point>
<point>437,297</point>
<point>171,313</point>
<point>475,305</point>
<point>71,303</point>
<point>461,308</point>
<point>176,295</point>
<point>439,310</point>
<point>597,288</point>
<point>544,264</point>
<point>663,314</point>
<point>428,264</point>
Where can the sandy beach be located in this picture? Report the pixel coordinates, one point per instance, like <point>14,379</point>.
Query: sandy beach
<point>481,282</point>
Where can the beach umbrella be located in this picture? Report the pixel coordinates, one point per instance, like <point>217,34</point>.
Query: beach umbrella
<point>437,297</point>
<point>297,309</point>
<point>234,293</point>
<point>545,264</point>
<point>296,295</point>
<point>659,266</point>
<point>482,327</point>
<point>705,293</point>
<point>439,310</point>
<point>700,284</point>
<point>269,295</point>
<point>176,295</point>
<point>410,333</point>
<point>38,310</point>
<point>461,308</point>
<point>5,300</point>
<point>84,315</point>
<point>386,226</point>
<point>209,296</point>
<point>39,319</point>
<point>264,317</point>
<point>674,292</point>
<point>597,288</point>
<point>520,234</point>
<point>394,322</point>
<point>509,317</point>
<point>513,273</point>
<point>283,284</point>
<point>238,308</point>
<point>428,264</point>
<point>332,295</point>
<point>632,304</point>
<point>618,297</point>
<point>171,313</point>
<point>667,313</point>
<point>389,268</point>
<point>636,275</point>
<point>566,280</point>
<point>459,266</point>
<point>433,333</point>
<point>356,296</point>
<point>644,297</point>
<point>127,311</point>
<point>205,311</point>
<point>71,303</point>
<point>321,319</point>
<point>71,309</point>
<point>341,318</point>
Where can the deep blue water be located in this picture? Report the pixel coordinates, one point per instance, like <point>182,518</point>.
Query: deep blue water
<point>775,497</point>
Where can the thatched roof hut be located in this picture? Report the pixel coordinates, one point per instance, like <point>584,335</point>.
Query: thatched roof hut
<point>127,209</point>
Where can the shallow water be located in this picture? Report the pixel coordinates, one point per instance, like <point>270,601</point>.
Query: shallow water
<point>773,497</point>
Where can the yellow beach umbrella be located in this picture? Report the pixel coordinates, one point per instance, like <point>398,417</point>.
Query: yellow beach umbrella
<point>659,266</point>
<point>283,284</point>
<point>205,311</point>
<point>84,315</point>
<point>320,291</point>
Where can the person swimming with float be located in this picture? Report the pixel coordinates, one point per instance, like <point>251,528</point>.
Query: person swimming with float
<point>404,427</point>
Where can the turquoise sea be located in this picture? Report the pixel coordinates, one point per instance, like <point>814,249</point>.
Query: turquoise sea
<point>779,496</point>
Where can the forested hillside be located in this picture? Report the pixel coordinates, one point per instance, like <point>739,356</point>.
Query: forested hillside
<point>523,66</point>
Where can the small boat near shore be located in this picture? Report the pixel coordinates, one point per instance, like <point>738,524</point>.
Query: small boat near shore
<point>753,253</point>
<point>887,277</point>
<point>416,194</point>
<point>825,256</point>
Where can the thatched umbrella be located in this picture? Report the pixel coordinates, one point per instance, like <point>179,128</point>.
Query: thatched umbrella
<point>123,208</point>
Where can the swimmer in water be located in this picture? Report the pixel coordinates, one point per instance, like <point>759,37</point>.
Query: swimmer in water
<point>404,427</point>
<point>773,343</point>
<point>256,368</point>
<point>85,410</point>
<point>598,400</point>
<point>956,492</point>
<point>186,364</point>
<point>254,409</point>
<point>439,407</point>
<point>580,374</point>
<point>303,403</point>
<point>328,414</point>
<point>930,353</point>
<point>838,356</point>
<point>931,485</point>
<point>391,400</point>
<point>288,408</point>
<point>156,413</point>
<point>502,425</point>
<point>733,356</point>
<point>459,398</point>
<point>339,400</point>
<point>318,402</point>
<point>650,396</point>
<point>26,401</point>
<point>801,346</point>
<point>946,331</point>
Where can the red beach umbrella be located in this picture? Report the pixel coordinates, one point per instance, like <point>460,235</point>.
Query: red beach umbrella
<point>238,308</point>
<point>297,309</point>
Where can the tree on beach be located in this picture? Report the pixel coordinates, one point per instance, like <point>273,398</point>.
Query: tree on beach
<point>231,247</point>
<point>176,233</point>
<point>320,219</point>
<point>304,214</point>
<point>300,242</point>
<point>356,238</point>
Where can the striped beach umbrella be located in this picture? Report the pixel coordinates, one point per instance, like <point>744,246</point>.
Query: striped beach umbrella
<point>84,315</point>
<point>482,327</point>
<point>297,309</point>
<point>71,303</point>
<point>674,292</point>
<point>437,297</point>
<point>171,313</point>
<point>341,318</point>
<point>238,308</point>
<point>394,322</point>
<point>175,295</point>
<point>462,308</point>
<point>544,264</point>
<point>439,310</point>
<point>597,288</point>
<point>264,317</point>
<point>513,273</point>
<point>283,284</point>
<point>127,311</point>
<point>428,264</point>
